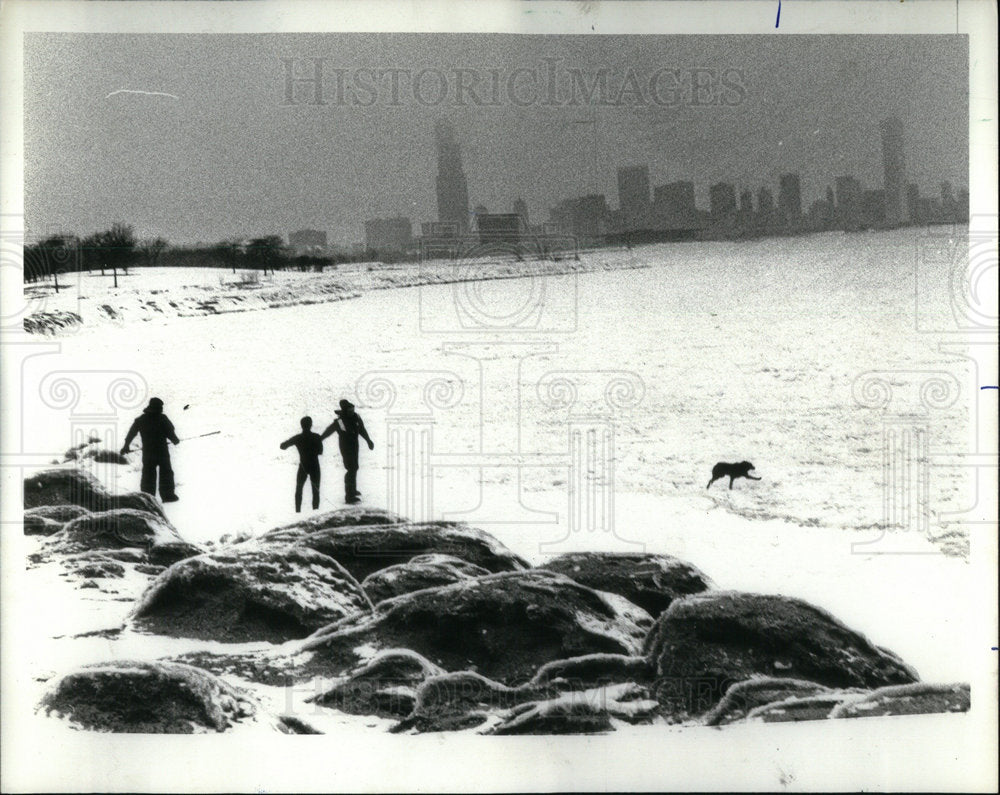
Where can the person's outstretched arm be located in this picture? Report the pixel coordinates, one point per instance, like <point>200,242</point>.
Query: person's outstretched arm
<point>330,430</point>
<point>130,436</point>
<point>288,442</point>
<point>363,432</point>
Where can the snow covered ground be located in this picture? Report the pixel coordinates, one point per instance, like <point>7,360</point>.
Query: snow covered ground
<point>730,351</point>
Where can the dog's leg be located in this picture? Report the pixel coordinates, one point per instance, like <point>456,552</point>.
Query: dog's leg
<point>731,483</point>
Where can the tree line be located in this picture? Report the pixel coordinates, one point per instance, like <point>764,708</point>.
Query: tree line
<point>117,249</point>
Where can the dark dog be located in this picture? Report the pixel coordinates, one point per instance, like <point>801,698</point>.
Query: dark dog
<point>733,471</point>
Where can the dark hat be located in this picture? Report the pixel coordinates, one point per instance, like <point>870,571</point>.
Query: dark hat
<point>155,403</point>
<point>346,404</point>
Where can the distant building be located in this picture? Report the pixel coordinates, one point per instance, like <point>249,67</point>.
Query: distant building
<point>674,207</point>
<point>521,209</point>
<point>388,235</point>
<point>452,188</point>
<point>586,216</point>
<point>765,206</point>
<point>849,210</point>
<point>722,203</point>
<point>633,196</point>
<point>306,241</point>
<point>873,208</point>
<point>894,168</point>
<point>913,203</point>
<point>789,199</point>
<point>745,214</point>
<point>499,227</point>
<point>439,229</point>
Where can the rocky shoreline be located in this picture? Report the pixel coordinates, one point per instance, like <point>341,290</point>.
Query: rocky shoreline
<point>436,627</point>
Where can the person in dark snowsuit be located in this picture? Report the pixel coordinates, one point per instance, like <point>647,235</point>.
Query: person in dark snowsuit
<point>154,428</point>
<point>310,448</point>
<point>349,426</point>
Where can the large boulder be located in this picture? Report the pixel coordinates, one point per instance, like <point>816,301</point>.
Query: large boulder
<point>504,626</point>
<point>40,526</point>
<point>147,697</point>
<point>704,643</point>
<point>65,486</point>
<point>385,686</point>
<point>72,486</point>
<point>463,700</point>
<point>169,551</point>
<point>590,670</point>
<point>423,571</point>
<point>352,516</point>
<point>137,501</point>
<point>586,712</point>
<point>799,708</point>
<point>57,513</point>
<point>915,699</point>
<point>648,580</point>
<point>115,529</point>
<point>744,697</point>
<point>273,594</point>
<point>363,549</point>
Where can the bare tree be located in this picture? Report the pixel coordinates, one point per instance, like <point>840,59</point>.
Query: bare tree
<point>151,250</point>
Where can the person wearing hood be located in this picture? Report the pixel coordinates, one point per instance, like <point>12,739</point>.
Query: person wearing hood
<point>154,428</point>
<point>349,426</point>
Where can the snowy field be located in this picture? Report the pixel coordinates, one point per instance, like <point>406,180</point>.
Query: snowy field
<point>724,351</point>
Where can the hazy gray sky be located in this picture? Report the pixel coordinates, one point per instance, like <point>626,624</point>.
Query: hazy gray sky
<point>229,157</point>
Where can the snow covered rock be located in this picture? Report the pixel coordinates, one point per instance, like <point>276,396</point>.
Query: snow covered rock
<point>137,501</point>
<point>169,552</point>
<point>72,486</point>
<point>704,643</point>
<point>913,699</point>
<point>57,513</point>
<point>272,594</point>
<point>743,697</point>
<point>423,571</point>
<point>342,517</point>
<point>586,712</point>
<point>122,527</point>
<point>648,580</point>
<point>147,697</point>
<point>363,549</point>
<point>65,486</point>
<point>503,625</point>
<point>385,686</point>
<point>40,526</point>
<point>463,700</point>
<point>797,708</point>
<point>589,670</point>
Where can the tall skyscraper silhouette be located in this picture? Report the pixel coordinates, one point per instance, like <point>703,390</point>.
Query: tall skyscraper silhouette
<point>790,199</point>
<point>452,189</point>
<point>895,171</point>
